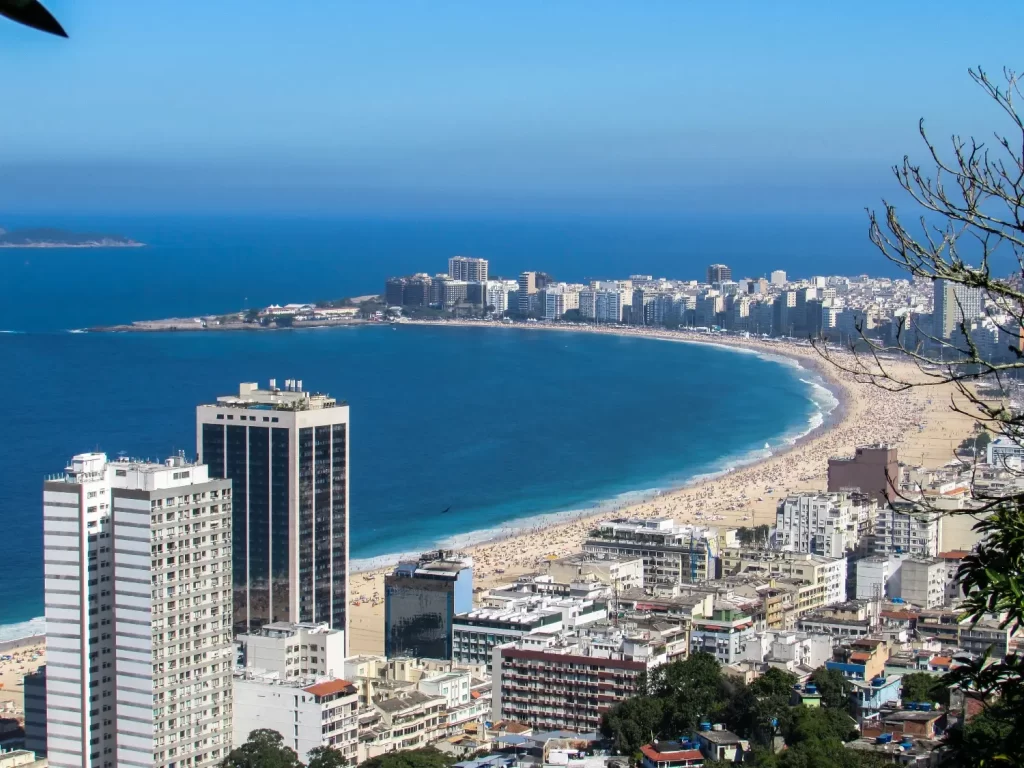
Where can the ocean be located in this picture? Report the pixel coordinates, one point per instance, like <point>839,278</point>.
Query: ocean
<point>508,427</point>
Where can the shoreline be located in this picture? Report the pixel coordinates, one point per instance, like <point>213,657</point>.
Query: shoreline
<point>602,508</point>
<point>918,422</point>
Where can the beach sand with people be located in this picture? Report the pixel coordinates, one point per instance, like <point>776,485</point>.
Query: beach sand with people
<point>919,422</point>
<point>17,659</point>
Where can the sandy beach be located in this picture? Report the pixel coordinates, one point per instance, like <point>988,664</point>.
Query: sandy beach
<point>919,422</point>
<point>26,657</point>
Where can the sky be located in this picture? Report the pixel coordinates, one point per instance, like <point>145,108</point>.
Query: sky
<point>662,106</point>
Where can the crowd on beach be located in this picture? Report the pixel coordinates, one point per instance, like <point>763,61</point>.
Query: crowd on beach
<point>15,663</point>
<point>747,495</point>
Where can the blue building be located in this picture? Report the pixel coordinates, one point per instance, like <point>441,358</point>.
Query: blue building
<point>421,599</point>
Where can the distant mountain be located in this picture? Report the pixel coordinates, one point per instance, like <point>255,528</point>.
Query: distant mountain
<point>48,237</point>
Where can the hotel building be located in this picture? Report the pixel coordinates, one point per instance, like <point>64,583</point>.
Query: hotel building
<point>286,453</point>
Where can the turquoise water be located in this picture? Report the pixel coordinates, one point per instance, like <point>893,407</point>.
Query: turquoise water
<point>501,424</point>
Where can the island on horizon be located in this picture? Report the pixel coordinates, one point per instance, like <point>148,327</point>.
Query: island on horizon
<point>50,237</point>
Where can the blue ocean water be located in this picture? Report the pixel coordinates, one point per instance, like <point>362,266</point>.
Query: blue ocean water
<point>500,424</point>
<point>203,265</point>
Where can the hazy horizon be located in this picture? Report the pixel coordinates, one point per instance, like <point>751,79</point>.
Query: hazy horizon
<point>660,107</point>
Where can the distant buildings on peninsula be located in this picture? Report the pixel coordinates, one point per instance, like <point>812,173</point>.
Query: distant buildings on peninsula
<point>841,308</point>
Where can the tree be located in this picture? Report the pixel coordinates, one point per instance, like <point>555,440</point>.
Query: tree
<point>920,686</point>
<point>633,723</point>
<point>426,757</point>
<point>326,757</point>
<point>833,687</point>
<point>971,216</point>
<point>263,749</point>
<point>674,699</point>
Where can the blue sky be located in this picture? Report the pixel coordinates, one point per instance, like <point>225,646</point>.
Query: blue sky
<point>528,105</point>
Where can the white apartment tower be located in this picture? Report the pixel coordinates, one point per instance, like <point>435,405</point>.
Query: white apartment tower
<point>954,304</point>
<point>137,567</point>
<point>469,269</point>
<point>286,453</point>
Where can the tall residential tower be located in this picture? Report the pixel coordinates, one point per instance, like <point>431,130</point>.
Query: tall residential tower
<point>286,453</point>
<point>137,581</point>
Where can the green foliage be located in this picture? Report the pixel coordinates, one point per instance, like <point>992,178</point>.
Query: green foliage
<point>814,739</point>
<point>833,687</point>
<point>284,321</point>
<point>326,757</point>
<point>993,737</point>
<point>263,749</point>
<point>427,757</point>
<point>920,686</point>
<point>975,444</point>
<point>634,722</point>
<point>749,536</point>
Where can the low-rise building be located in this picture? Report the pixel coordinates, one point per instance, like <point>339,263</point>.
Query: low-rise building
<point>724,635</point>
<point>620,573</point>
<point>478,632</point>
<point>307,714</point>
<point>826,574</point>
<point>923,581</point>
<point>292,650</point>
<point>671,754</point>
<point>407,720</point>
<point>861,659</point>
<point>672,553</point>
<point>718,744</point>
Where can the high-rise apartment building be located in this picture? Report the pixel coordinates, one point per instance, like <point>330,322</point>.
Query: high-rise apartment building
<point>778,277</point>
<point>286,452</point>
<point>137,574</point>
<point>469,269</point>
<point>829,524</point>
<point>903,529</point>
<point>955,304</point>
<point>527,290</point>
<point>719,273</point>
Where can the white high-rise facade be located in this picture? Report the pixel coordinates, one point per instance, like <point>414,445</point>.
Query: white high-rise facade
<point>954,304</point>
<point>137,575</point>
<point>820,523</point>
<point>469,269</point>
<point>286,452</point>
<point>906,530</point>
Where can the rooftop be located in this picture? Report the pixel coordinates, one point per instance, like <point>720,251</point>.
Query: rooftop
<point>329,687</point>
<point>661,751</point>
<point>133,474</point>
<point>291,398</point>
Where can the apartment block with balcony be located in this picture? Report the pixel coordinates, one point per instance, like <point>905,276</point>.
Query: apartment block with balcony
<point>903,528</point>
<point>567,683</point>
<point>826,574</point>
<point>407,720</point>
<point>478,632</point>
<point>923,582</point>
<point>307,713</point>
<point>724,635</point>
<point>138,610</point>
<point>672,553</point>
